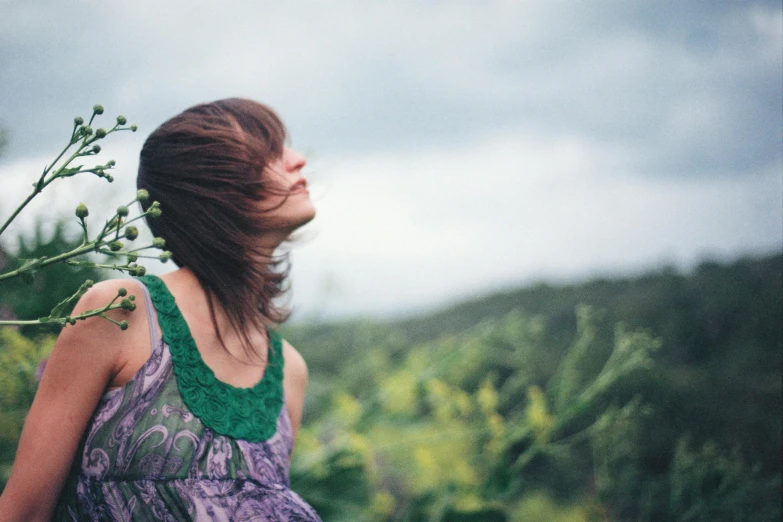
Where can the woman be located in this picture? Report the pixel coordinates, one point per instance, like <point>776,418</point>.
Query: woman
<point>190,413</point>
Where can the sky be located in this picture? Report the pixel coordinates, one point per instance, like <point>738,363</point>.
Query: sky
<point>454,148</point>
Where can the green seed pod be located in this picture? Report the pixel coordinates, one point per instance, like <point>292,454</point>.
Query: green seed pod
<point>142,195</point>
<point>122,211</point>
<point>133,128</point>
<point>123,325</point>
<point>159,242</point>
<point>100,133</point>
<point>165,256</point>
<point>131,233</point>
<point>132,257</point>
<point>96,149</point>
<point>81,211</point>
<point>121,120</point>
<point>122,292</point>
<point>78,120</point>
<point>115,246</point>
<point>97,108</point>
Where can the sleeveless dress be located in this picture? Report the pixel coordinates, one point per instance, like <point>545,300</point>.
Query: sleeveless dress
<point>176,444</point>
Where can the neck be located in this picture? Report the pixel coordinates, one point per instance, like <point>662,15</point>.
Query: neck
<point>193,297</point>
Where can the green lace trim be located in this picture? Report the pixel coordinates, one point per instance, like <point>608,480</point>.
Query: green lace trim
<point>241,413</point>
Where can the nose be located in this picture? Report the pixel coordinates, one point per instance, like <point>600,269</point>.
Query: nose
<point>293,160</point>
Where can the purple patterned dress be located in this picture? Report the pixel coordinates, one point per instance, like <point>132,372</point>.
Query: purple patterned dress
<point>146,456</point>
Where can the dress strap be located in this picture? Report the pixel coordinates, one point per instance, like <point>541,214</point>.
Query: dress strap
<point>242,413</point>
<point>151,319</point>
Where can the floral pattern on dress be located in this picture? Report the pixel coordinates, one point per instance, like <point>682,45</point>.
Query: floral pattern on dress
<point>145,456</point>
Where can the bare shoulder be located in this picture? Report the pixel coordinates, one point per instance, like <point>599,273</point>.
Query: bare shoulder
<point>83,361</point>
<point>102,293</point>
<point>100,296</point>
<point>295,365</point>
<point>294,383</point>
<point>89,337</point>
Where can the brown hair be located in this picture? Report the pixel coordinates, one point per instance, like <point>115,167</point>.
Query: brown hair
<point>205,167</point>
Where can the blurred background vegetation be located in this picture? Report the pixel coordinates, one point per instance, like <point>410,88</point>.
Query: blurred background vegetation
<point>656,397</point>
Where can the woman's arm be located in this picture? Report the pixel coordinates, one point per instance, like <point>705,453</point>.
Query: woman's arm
<point>83,361</point>
<point>294,383</point>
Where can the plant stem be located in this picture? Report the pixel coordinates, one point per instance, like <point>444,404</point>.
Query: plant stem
<point>50,260</point>
<point>42,183</point>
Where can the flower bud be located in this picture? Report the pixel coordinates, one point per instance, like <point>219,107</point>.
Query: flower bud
<point>97,108</point>
<point>111,163</point>
<point>78,120</point>
<point>81,211</point>
<point>100,133</point>
<point>122,292</point>
<point>133,128</point>
<point>165,256</point>
<point>139,271</point>
<point>154,212</point>
<point>132,257</point>
<point>109,178</point>
<point>142,195</point>
<point>87,130</point>
<point>126,304</point>
<point>132,297</point>
<point>122,211</point>
<point>123,325</point>
<point>159,242</point>
<point>131,233</point>
<point>96,149</point>
<point>115,246</point>
<point>121,120</point>
<point>72,321</point>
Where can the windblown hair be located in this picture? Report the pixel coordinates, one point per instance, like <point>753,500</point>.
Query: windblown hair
<point>206,168</point>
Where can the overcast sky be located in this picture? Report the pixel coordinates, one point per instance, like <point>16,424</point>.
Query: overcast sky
<point>455,147</point>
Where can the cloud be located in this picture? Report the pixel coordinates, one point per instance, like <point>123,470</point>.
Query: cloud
<point>428,228</point>
<point>692,89</point>
<point>457,146</point>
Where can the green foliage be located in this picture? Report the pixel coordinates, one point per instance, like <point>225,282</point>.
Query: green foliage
<point>706,485</point>
<point>19,360</point>
<point>522,417</point>
<point>551,416</point>
<point>460,428</point>
<point>48,287</point>
<point>81,146</point>
<point>539,506</point>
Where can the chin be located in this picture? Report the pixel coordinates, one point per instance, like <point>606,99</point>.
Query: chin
<point>306,219</point>
<point>295,222</point>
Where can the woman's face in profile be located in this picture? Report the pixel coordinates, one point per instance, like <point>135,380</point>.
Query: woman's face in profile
<point>283,176</point>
